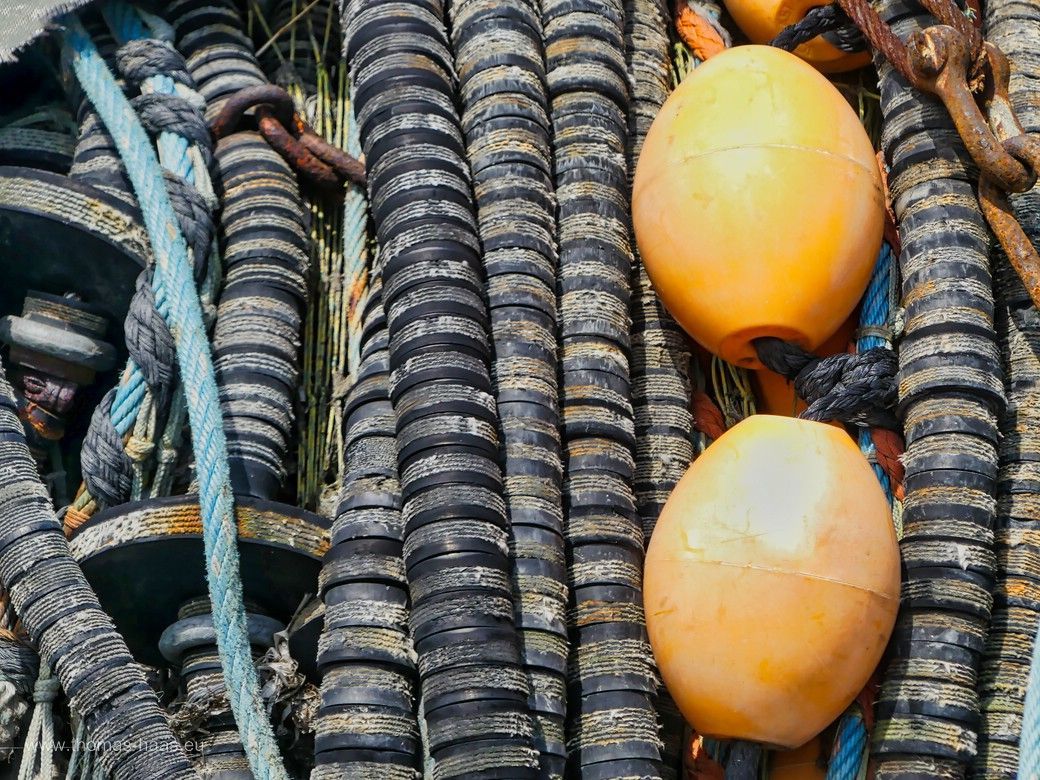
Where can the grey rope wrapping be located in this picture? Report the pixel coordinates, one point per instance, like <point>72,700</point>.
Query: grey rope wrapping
<point>950,393</point>
<point>32,550</point>
<point>660,352</point>
<point>1015,28</point>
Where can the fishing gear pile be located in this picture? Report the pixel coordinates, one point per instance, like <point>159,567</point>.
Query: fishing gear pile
<point>379,389</point>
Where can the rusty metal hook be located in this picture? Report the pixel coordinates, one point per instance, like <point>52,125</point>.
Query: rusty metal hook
<point>940,59</point>
<point>316,160</point>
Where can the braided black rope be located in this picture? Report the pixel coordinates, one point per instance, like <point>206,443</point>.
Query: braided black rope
<point>830,21</point>
<point>853,388</point>
<point>65,620</point>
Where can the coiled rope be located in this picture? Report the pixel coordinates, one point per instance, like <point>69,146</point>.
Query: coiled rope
<point>173,280</point>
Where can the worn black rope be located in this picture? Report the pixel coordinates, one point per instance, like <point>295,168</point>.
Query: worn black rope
<point>829,20</point>
<point>853,388</point>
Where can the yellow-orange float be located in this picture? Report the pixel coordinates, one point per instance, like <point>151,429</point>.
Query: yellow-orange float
<point>757,203</point>
<point>772,581</point>
<point>762,20</point>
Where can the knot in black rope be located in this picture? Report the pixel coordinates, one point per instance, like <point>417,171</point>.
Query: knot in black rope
<point>830,21</point>
<point>853,388</point>
<point>140,59</point>
<point>161,113</point>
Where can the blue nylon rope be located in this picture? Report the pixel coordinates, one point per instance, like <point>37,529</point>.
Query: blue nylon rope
<point>173,274</point>
<point>851,739</point>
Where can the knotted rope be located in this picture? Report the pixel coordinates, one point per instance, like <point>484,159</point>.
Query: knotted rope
<point>854,388</point>
<point>173,282</point>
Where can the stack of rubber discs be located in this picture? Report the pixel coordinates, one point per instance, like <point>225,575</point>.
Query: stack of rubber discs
<point>296,39</point>
<point>500,63</point>
<point>256,339</point>
<point>951,394</point>
<point>660,350</point>
<point>456,553</point>
<point>1014,27</point>
<point>66,622</point>
<point>190,644</point>
<point>259,317</point>
<point>43,145</point>
<point>1016,609</point>
<point>612,679</point>
<point>366,726</point>
<point>211,36</point>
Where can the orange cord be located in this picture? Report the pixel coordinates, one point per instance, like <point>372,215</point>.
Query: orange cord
<point>707,417</point>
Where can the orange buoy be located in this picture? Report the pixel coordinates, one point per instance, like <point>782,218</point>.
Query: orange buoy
<point>772,581</point>
<point>802,763</point>
<point>757,203</point>
<point>762,20</point>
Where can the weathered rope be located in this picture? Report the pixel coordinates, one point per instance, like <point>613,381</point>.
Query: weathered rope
<point>38,750</point>
<point>173,277</point>
<point>170,107</point>
<point>64,619</point>
<point>950,393</point>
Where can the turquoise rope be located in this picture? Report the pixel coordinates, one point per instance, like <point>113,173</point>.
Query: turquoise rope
<point>875,314</point>
<point>851,745</point>
<point>355,249</point>
<point>173,272</point>
<point>851,741</point>
<point>127,25</point>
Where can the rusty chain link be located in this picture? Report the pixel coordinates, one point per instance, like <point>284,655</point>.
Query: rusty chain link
<point>970,76</point>
<point>318,162</point>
